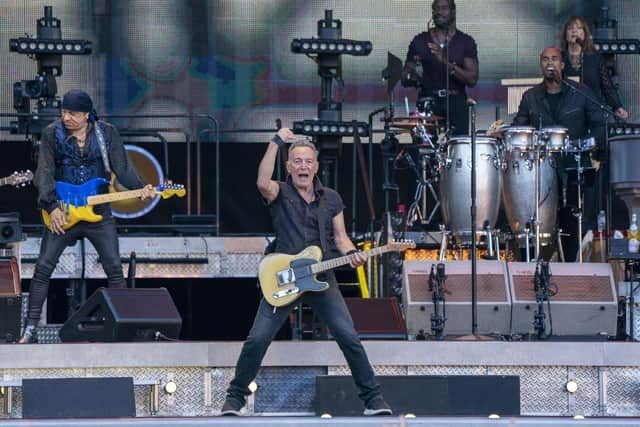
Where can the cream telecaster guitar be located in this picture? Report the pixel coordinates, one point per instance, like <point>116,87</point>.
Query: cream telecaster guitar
<point>283,278</point>
<point>77,201</point>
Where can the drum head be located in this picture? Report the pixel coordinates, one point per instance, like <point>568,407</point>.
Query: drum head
<point>150,171</point>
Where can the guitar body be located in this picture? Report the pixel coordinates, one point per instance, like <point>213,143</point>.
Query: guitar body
<point>74,202</point>
<point>284,278</point>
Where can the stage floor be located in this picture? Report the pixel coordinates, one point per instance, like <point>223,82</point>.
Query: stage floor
<point>607,373</point>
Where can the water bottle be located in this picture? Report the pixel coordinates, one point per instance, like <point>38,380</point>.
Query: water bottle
<point>633,236</point>
<point>602,222</point>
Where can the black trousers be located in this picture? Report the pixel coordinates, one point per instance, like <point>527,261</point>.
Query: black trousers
<point>331,308</point>
<point>102,236</point>
<point>458,112</point>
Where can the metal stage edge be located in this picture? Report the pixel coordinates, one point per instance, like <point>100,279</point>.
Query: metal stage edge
<point>607,373</point>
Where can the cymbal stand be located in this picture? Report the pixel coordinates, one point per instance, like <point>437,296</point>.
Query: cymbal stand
<point>578,214</point>
<point>536,220</point>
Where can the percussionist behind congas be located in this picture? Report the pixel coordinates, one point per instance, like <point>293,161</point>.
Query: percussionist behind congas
<point>553,103</point>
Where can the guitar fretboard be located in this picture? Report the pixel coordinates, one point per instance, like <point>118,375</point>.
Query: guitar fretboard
<point>343,260</point>
<point>113,197</point>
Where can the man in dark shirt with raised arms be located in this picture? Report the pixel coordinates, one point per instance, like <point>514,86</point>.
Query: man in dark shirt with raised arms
<point>305,213</point>
<point>445,53</point>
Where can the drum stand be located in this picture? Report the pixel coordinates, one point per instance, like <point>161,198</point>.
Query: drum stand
<point>578,214</point>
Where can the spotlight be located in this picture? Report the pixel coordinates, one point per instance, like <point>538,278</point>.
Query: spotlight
<point>494,416</point>
<point>617,46</point>
<point>170,387</point>
<point>253,386</point>
<point>320,46</point>
<point>624,128</point>
<point>316,127</point>
<point>326,415</point>
<point>571,386</point>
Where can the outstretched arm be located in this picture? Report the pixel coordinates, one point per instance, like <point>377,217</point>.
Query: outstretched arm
<point>266,185</point>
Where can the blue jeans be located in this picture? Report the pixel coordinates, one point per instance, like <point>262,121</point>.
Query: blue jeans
<point>103,237</point>
<point>331,308</point>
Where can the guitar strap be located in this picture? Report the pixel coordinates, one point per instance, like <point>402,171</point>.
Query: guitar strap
<point>102,144</point>
<point>322,214</point>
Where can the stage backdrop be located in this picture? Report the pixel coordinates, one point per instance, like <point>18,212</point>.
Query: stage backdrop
<point>231,59</point>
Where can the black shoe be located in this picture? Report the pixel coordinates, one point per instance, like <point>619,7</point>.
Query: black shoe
<point>377,406</point>
<point>231,407</point>
<point>30,335</point>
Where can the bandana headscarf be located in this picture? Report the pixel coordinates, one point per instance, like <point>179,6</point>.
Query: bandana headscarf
<point>77,100</point>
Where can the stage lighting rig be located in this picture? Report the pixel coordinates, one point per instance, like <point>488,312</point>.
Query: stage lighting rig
<point>47,49</point>
<point>328,129</point>
<point>623,128</point>
<point>606,41</point>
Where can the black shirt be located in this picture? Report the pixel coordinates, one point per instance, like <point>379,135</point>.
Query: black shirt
<point>554,101</point>
<point>296,222</point>
<point>434,74</point>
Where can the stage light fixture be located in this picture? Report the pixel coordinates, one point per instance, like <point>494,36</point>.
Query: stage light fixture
<point>617,46</point>
<point>340,46</point>
<point>170,387</point>
<point>571,386</point>
<point>30,46</point>
<point>47,48</point>
<point>624,128</point>
<point>253,386</point>
<point>330,128</point>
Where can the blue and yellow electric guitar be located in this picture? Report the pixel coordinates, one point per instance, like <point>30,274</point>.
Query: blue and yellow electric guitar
<point>77,201</point>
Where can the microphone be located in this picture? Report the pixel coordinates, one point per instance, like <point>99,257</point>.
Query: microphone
<point>580,42</point>
<point>432,277</point>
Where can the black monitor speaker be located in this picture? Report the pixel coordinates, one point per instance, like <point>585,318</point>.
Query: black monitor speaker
<point>112,315</point>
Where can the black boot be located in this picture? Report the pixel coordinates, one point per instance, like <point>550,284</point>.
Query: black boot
<point>30,335</point>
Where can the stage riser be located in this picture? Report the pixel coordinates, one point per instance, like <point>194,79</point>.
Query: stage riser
<point>604,391</point>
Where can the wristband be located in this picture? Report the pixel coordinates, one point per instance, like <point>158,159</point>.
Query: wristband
<point>279,141</point>
<point>352,251</point>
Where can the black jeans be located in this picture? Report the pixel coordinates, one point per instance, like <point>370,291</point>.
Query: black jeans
<point>331,308</point>
<point>102,236</point>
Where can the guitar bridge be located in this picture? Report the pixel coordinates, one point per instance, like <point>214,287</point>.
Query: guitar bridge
<point>285,292</point>
<point>285,277</point>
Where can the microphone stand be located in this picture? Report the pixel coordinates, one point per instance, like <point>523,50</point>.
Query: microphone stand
<point>436,287</point>
<point>474,213</point>
<point>607,112</point>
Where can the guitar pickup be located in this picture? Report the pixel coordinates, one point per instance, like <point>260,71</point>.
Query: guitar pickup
<point>285,292</point>
<point>285,277</point>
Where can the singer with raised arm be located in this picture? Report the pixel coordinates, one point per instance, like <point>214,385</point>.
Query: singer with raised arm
<point>449,61</point>
<point>563,103</point>
<point>582,61</point>
<point>304,213</point>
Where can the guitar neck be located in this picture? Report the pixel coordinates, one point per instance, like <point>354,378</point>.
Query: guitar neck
<point>113,197</point>
<point>344,260</point>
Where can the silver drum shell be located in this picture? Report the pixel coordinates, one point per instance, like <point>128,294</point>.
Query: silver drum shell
<point>518,195</point>
<point>455,184</point>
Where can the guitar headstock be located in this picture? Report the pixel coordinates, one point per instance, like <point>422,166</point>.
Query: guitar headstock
<point>169,189</point>
<point>19,178</point>
<point>401,245</point>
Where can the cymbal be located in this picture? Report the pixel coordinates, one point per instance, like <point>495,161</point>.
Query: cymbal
<point>410,125</point>
<point>419,117</point>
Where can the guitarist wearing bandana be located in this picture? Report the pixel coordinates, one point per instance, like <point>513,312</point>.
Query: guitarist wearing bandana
<point>304,213</point>
<point>76,149</point>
